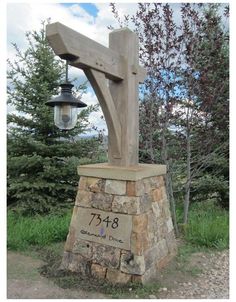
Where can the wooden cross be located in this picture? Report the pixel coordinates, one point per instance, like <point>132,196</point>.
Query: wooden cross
<point>118,96</point>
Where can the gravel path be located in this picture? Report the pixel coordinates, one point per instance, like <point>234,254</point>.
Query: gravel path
<point>212,283</point>
<point>202,276</point>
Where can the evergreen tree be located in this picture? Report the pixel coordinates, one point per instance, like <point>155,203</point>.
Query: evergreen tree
<point>42,159</point>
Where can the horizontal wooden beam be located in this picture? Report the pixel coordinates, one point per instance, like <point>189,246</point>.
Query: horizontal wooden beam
<point>83,52</point>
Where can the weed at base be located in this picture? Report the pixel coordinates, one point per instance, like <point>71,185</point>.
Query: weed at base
<point>194,271</point>
<point>65,279</point>
<point>132,290</point>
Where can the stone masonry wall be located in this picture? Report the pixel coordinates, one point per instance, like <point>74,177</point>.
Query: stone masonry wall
<point>152,240</point>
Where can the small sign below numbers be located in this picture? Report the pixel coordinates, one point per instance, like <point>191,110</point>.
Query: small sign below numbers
<point>105,227</point>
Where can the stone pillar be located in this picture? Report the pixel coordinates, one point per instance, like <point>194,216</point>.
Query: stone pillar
<point>121,228</point>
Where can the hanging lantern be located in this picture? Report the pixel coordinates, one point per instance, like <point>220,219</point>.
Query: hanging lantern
<point>65,106</point>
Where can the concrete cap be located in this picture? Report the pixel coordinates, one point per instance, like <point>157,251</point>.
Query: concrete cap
<point>133,173</point>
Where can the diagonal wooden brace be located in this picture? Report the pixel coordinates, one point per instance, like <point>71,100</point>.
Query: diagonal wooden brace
<point>99,83</point>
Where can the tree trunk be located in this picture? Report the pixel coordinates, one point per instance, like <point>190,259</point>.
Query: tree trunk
<point>188,182</point>
<point>169,185</point>
<point>150,145</point>
<point>186,202</point>
<point>170,195</point>
<point>151,151</point>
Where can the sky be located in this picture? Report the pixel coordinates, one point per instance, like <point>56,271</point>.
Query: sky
<point>90,19</point>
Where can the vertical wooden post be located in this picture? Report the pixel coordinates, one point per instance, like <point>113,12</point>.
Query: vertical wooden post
<point>125,96</point>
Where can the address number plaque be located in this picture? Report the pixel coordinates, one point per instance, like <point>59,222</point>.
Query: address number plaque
<point>105,227</point>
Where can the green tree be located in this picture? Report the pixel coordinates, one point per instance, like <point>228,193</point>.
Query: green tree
<point>42,160</point>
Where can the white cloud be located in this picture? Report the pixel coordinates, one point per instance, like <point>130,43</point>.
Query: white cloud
<point>95,117</point>
<point>78,11</point>
<point>22,17</point>
<point>89,98</point>
<point>77,75</point>
<point>106,18</point>
<point>106,15</point>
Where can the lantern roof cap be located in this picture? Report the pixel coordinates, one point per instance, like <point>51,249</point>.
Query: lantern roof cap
<point>66,97</point>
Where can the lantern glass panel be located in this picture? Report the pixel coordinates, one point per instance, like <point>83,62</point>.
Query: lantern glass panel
<point>65,116</point>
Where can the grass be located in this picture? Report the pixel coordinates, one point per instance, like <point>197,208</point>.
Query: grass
<point>208,226</point>
<point>208,229</point>
<point>24,232</point>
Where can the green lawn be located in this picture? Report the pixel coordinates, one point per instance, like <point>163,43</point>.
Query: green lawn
<point>23,232</point>
<point>208,226</point>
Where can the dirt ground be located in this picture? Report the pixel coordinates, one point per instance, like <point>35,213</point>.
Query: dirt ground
<point>204,275</point>
<point>25,282</point>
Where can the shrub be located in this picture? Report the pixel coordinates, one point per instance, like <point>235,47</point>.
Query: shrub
<point>209,185</point>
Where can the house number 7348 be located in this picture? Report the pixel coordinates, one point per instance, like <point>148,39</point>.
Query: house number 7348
<point>96,218</point>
